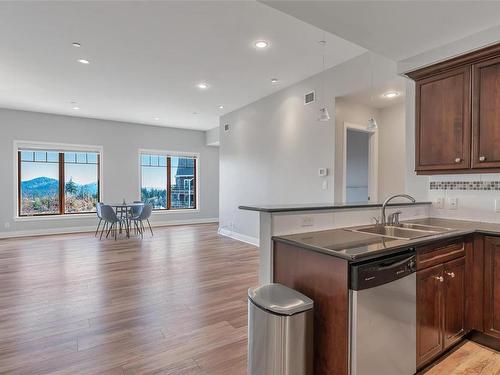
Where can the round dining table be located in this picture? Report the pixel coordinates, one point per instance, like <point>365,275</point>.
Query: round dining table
<point>122,209</point>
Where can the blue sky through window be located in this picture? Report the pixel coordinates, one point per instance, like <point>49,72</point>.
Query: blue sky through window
<point>81,173</point>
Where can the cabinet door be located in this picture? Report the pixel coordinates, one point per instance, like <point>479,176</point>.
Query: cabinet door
<point>486,114</point>
<point>442,125</point>
<point>492,286</point>
<point>429,313</point>
<point>454,301</point>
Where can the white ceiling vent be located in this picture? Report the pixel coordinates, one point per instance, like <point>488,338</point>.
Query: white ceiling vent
<point>309,97</point>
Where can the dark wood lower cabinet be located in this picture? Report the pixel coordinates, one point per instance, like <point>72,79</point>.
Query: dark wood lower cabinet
<point>454,302</point>
<point>429,313</point>
<point>440,308</point>
<point>492,286</point>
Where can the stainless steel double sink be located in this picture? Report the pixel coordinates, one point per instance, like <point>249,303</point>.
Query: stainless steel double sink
<point>402,231</point>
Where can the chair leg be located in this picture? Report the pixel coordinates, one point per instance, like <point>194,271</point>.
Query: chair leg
<point>97,230</point>
<point>103,229</point>
<point>109,230</point>
<point>151,230</point>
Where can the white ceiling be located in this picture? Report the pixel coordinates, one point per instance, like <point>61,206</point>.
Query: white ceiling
<point>147,57</point>
<point>374,97</point>
<point>396,29</point>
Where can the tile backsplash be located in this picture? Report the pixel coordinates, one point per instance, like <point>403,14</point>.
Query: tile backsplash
<point>464,185</point>
<point>476,196</point>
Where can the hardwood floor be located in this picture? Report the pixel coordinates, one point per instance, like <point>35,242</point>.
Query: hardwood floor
<point>469,359</point>
<point>171,304</point>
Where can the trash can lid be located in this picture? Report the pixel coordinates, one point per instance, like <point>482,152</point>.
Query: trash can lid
<point>280,299</point>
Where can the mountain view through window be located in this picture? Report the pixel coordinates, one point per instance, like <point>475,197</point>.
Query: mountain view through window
<point>54,183</point>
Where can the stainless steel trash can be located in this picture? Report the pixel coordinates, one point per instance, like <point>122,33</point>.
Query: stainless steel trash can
<point>280,331</point>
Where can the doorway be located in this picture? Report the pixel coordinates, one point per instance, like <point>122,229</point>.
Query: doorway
<point>360,164</point>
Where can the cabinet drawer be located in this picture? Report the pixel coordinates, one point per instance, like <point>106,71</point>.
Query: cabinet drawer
<point>431,255</point>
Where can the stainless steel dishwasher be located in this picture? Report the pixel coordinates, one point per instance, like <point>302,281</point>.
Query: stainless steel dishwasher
<point>382,297</point>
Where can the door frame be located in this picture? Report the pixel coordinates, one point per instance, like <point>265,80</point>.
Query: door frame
<point>372,160</point>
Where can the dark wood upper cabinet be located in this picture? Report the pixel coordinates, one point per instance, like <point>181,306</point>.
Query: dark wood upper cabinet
<point>454,301</point>
<point>486,114</point>
<point>457,114</point>
<point>492,286</point>
<point>429,314</point>
<point>443,121</point>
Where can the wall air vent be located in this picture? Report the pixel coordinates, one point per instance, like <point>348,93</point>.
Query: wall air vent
<point>309,97</point>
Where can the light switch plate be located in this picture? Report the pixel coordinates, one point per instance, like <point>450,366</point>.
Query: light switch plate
<point>439,203</point>
<point>453,203</point>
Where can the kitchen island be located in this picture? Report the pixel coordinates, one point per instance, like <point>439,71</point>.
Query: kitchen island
<point>457,284</point>
<point>278,220</point>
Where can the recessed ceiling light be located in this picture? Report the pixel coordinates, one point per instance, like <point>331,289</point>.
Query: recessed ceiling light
<point>203,85</point>
<point>391,94</point>
<point>76,44</point>
<point>221,107</point>
<point>261,44</point>
<point>83,61</point>
<point>157,118</point>
<point>76,108</point>
<point>274,80</point>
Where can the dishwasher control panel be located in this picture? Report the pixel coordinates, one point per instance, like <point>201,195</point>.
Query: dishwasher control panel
<point>382,270</point>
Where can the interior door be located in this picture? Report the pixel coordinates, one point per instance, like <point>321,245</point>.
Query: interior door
<point>443,126</point>
<point>492,286</point>
<point>429,313</point>
<point>454,301</point>
<point>486,114</point>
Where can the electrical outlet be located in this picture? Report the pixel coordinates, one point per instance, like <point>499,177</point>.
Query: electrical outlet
<point>7,225</point>
<point>452,203</point>
<point>307,221</point>
<point>497,205</point>
<point>439,203</point>
<point>324,185</point>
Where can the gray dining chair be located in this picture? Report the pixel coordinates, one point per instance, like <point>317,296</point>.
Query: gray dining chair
<point>144,215</point>
<point>111,221</point>
<point>99,216</point>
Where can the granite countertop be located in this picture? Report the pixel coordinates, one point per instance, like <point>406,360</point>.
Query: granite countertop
<point>355,246</point>
<point>324,206</point>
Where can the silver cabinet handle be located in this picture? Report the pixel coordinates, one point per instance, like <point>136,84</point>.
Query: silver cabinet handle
<point>451,274</point>
<point>482,158</point>
<point>439,278</point>
<point>458,160</point>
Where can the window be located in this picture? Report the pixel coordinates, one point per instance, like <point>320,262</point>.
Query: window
<point>54,182</point>
<point>168,182</point>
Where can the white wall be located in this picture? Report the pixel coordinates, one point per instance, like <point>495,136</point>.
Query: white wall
<point>391,138</point>
<point>120,142</point>
<point>355,113</point>
<point>212,136</point>
<point>274,147</point>
<point>392,151</point>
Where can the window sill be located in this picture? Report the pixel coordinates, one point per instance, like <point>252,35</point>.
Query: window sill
<point>181,211</point>
<point>55,217</point>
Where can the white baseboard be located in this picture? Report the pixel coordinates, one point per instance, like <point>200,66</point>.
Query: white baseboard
<point>238,236</point>
<point>82,229</point>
